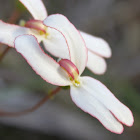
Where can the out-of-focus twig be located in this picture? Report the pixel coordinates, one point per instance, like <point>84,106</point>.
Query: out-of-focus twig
<point>4,52</point>
<point>13,18</point>
<point>35,107</point>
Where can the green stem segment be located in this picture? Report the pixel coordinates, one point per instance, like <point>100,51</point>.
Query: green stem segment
<point>35,107</point>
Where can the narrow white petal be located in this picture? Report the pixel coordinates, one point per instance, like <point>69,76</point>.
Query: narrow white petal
<point>96,63</point>
<point>40,62</point>
<point>90,104</point>
<point>77,48</point>
<point>104,96</point>
<point>55,44</point>
<point>8,33</point>
<point>36,8</point>
<point>97,45</point>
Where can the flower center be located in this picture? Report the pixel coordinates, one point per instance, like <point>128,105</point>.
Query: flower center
<point>37,25</point>
<point>72,71</point>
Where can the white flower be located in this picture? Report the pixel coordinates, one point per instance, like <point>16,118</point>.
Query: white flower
<point>97,47</point>
<point>87,93</point>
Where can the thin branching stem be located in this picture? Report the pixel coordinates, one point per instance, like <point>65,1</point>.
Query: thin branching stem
<point>35,107</point>
<point>4,52</point>
<point>13,18</point>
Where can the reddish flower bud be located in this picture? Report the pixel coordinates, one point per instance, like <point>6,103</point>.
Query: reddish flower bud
<point>36,24</point>
<point>70,68</point>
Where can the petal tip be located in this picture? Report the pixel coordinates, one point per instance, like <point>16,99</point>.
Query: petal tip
<point>107,46</point>
<point>130,120</point>
<point>96,64</point>
<point>117,130</point>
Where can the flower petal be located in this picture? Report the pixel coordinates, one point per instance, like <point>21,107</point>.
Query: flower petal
<point>95,89</point>
<point>96,63</point>
<point>8,33</point>
<point>90,104</point>
<point>36,8</point>
<point>41,63</point>
<point>77,48</point>
<point>55,44</point>
<point>97,45</point>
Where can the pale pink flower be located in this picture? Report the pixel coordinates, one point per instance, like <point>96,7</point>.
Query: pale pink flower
<point>87,93</point>
<point>98,49</point>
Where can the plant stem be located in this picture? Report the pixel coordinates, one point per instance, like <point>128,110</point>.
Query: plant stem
<point>13,18</point>
<point>35,107</point>
<point>4,52</point>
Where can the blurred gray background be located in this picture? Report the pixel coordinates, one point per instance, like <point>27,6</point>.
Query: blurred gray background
<point>118,22</point>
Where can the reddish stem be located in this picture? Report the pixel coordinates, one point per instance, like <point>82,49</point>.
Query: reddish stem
<point>36,106</point>
<point>4,52</point>
<point>13,18</point>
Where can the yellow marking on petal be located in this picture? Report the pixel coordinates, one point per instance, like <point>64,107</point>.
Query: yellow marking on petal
<point>41,32</point>
<point>71,79</point>
<point>44,34</point>
<point>36,26</point>
<point>47,34</point>
<point>22,22</point>
<point>76,83</point>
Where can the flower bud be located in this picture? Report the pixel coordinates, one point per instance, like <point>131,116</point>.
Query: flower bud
<point>37,25</point>
<point>70,68</point>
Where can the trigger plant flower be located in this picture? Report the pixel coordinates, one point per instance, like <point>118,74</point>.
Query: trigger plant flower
<point>87,93</point>
<point>8,32</point>
<point>98,49</point>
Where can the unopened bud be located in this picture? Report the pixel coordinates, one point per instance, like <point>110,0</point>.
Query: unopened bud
<point>70,68</point>
<point>36,24</point>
